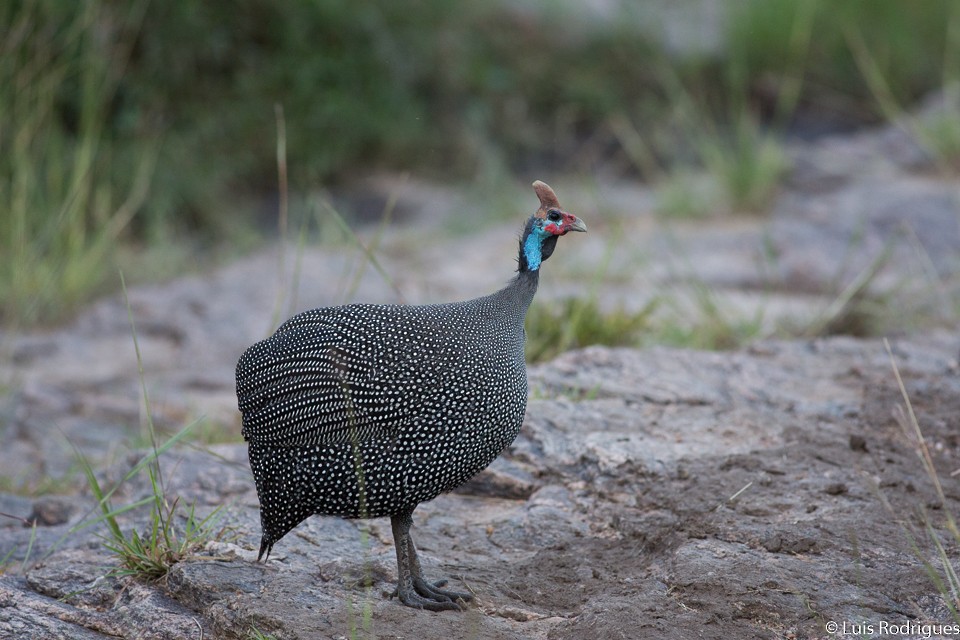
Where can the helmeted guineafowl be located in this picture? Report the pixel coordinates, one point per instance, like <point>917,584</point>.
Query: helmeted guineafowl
<point>364,411</point>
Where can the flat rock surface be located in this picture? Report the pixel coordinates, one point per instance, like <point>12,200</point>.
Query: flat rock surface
<point>659,493</point>
<point>761,493</point>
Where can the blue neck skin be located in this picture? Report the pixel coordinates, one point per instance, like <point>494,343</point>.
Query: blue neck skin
<point>531,248</point>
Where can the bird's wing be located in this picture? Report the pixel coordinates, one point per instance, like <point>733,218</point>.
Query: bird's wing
<point>307,385</point>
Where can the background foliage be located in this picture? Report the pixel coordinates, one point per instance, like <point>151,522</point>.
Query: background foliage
<point>127,124</point>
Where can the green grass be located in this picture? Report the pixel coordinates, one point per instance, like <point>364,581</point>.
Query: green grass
<point>806,45</point>
<point>741,174</point>
<point>173,533</point>
<point>940,133</point>
<point>574,323</point>
<point>697,319</point>
<point>748,165</point>
<point>946,576</point>
<point>207,432</point>
<point>64,208</point>
<point>684,195</point>
<point>693,319</point>
<point>849,64</point>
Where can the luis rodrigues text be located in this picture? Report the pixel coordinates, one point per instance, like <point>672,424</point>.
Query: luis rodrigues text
<point>888,629</point>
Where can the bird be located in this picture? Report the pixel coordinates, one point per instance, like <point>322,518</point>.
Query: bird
<point>368,410</point>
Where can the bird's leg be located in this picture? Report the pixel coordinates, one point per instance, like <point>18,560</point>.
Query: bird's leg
<point>412,589</point>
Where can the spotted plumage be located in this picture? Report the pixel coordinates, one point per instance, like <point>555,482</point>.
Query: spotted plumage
<point>365,411</point>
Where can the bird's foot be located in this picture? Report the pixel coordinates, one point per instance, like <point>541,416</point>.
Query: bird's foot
<point>423,595</point>
<point>412,589</point>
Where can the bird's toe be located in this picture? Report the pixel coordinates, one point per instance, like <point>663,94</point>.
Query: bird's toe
<point>434,591</point>
<point>419,598</point>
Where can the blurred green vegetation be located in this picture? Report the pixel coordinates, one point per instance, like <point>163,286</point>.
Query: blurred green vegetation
<point>696,323</point>
<point>137,124</point>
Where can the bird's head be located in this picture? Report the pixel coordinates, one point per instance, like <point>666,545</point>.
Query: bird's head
<point>540,234</point>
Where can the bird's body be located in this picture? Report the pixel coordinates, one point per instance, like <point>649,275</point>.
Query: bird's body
<point>365,411</point>
<point>434,399</point>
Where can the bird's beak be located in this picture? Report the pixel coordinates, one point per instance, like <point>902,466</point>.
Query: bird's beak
<point>578,225</point>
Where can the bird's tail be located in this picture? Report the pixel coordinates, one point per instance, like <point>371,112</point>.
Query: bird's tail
<point>265,547</point>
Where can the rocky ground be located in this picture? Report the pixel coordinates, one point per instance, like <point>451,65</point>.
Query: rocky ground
<point>763,493</point>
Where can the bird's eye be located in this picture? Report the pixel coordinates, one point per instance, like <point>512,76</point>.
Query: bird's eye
<point>553,215</point>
